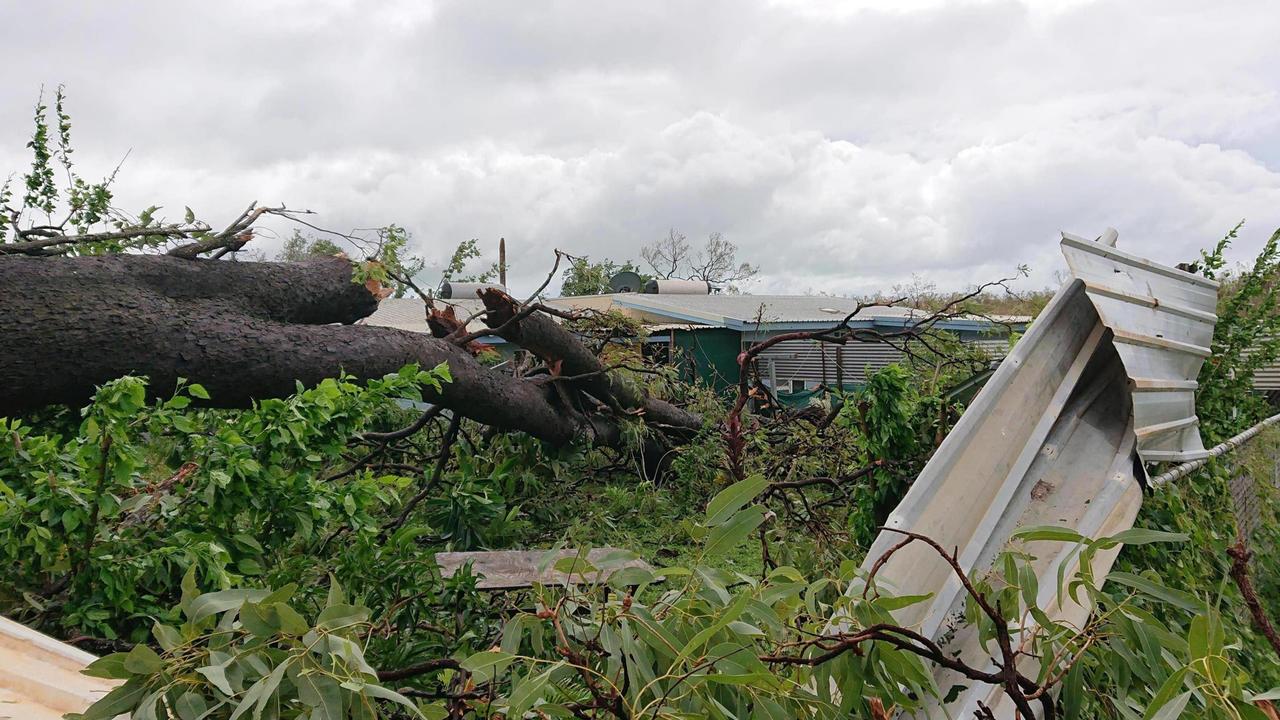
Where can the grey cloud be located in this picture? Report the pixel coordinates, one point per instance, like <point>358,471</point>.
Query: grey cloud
<point>842,151</point>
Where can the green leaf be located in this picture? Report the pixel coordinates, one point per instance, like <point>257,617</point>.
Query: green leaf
<point>630,577</point>
<point>1047,532</point>
<point>1272,694</point>
<point>117,702</point>
<point>191,706</point>
<point>336,596</point>
<point>891,603</point>
<point>197,390</point>
<point>486,664</point>
<point>486,659</point>
<point>339,616</point>
<point>291,623</point>
<point>168,636</point>
<point>724,538</point>
<point>1144,536</point>
<point>1174,708</point>
<point>109,666</point>
<point>142,660</point>
<point>730,614</point>
<point>221,601</point>
<point>190,591</point>
<point>574,565</point>
<point>733,498</point>
<point>217,676</point>
<point>527,692</point>
<point>259,620</point>
<point>1155,589</point>
<point>270,684</point>
<point>1165,694</point>
<point>387,694</point>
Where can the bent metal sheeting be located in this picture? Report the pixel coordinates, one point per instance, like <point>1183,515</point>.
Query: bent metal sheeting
<point>1161,321</point>
<point>1103,380</point>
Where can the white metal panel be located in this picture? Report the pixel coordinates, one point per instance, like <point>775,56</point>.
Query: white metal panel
<point>804,359</point>
<point>40,677</point>
<point>1106,374</point>
<point>1161,321</point>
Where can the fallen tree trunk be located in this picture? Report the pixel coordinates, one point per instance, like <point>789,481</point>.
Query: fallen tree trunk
<point>243,330</point>
<point>549,340</point>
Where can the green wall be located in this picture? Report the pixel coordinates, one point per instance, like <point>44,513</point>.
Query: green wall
<point>710,354</point>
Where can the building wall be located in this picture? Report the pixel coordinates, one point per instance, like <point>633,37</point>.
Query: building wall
<point>814,362</point>
<point>710,355</point>
<point>1268,378</point>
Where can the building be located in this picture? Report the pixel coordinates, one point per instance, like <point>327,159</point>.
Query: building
<point>704,333</point>
<point>709,331</point>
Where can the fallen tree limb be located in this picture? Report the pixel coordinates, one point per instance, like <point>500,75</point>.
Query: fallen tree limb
<point>1240,556</point>
<point>551,341</point>
<point>245,331</point>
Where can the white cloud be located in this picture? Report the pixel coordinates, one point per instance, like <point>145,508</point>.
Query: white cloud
<point>843,147</point>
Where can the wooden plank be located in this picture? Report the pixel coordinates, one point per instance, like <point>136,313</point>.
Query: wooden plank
<point>512,569</point>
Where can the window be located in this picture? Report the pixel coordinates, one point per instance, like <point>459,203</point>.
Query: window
<point>797,386</point>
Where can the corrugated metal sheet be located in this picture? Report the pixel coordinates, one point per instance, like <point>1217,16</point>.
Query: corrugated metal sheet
<point>815,362</point>
<point>1161,320</point>
<point>1050,440</point>
<point>1267,379</point>
<point>411,314</point>
<point>40,677</point>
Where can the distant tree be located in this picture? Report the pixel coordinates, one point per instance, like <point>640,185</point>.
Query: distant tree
<point>301,247</point>
<point>467,251</point>
<point>667,255</point>
<point>716,262</point>
<point>584,277</point>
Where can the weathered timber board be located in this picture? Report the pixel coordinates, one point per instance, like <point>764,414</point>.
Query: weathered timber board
<point>512,569</point>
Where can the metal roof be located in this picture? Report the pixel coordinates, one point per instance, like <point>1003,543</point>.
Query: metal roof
<point>40,677</point>
<point>1161,321</point>
<point>779,312</point>
<point>1105,375</point>
<point>410,314</point>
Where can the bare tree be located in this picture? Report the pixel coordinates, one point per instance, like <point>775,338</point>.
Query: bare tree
<point>717,263</point>
<point>667,255</point>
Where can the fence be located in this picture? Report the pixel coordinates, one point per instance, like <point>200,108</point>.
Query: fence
<point>1247,485</point>
<point>1245,493</point>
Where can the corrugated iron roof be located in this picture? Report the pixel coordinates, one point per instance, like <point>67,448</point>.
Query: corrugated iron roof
<point>763,311</point>
<point>410,314</point>
<point>40,677</point>
<point>1161,321</point>
<point>1105,375</point>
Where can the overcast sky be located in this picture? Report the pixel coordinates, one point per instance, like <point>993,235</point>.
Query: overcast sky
<point>842,145</point>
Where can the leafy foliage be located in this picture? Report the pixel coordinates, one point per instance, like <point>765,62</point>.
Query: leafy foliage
<point>1245,339</point>
<point>249,653</point>
<point>584,277</point>
<point>455,269</point>
<point>159,522</point>
<point>99,526</point>
<point>299,247</point>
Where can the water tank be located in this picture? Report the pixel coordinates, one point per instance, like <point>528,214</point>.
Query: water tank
<point>625,282</point>
<point>465,291</point>
<point>677,287</point>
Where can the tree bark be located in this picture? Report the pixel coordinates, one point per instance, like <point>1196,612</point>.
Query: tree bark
<point>549,340</point>
<point>243,330</point>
